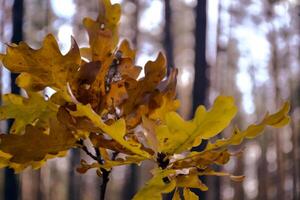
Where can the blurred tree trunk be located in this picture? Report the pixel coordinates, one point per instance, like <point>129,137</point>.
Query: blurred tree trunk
<point>168,37</point>
<point>131,183</point>
<point>169,47</point>
<point>201,83</point>
<point>275,63</point>
<point>296,136</point>
<point>11,187</point>
<point>74,179</point>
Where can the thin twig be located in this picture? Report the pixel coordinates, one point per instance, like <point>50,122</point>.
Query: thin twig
<point>105,179</point>
<point>98,154</point>
<point>85,149</point>
<point>105,175</point>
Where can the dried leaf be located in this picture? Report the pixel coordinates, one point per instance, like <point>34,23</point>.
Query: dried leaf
<point>202,160</point>
<point>43,67</point>
<point>155,71</point>
<point>24,153</point>
<point>126,51</point>
<point>98,140</point>
<point>127,69</point>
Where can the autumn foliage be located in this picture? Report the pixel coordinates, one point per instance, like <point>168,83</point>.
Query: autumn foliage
<point>101,102</point>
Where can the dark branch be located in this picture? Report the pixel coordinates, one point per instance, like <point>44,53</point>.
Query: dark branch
<point>105,179</point>
<point>105,175</point>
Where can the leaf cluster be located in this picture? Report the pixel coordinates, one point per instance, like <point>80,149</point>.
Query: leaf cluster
<point>101,101</point>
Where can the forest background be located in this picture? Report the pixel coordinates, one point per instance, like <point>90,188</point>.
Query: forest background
<point>249,49</point>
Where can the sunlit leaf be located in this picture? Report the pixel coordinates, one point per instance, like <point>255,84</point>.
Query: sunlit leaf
<point>189,195</point>
<point>176,195</point>
<point>32,110</point>
<point>191,181</point>
<point>116,131</point>
<point>156,186</point>
<point>278,119</point>
<point>178,135</point>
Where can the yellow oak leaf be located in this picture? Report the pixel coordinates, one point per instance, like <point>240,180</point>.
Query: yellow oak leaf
<point>117,94</point>
<point>128,69</point>
<point>166,98</point>
<point>43,67</point>
<point>35,146</point>
<point>178,135</point>
<point>84,166</point>
<point>210,172</point>
<point>156,186</point>
<point>189,195</point>
<point>33,164</point>
<point>112,12</point>
<point>134,118</point>
<point>150,135</point>
<point>126,51</point>
<point>99,140</point>
<point>202,160</point>
<point>176,195</point>
<point>108,163</point>
<point>167,105</point>
<point>125,160</point>
<point>155,71</point>
<point>4,159</point>
<point>34,110</point>
<point>103,33</point>
<point>86,53</point>
<point>277,120</point>
<point>101,40</point>
<point>190,181</point>
<point>116,131</point>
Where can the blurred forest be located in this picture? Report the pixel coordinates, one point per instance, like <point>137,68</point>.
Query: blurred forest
<point>249,49</point>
